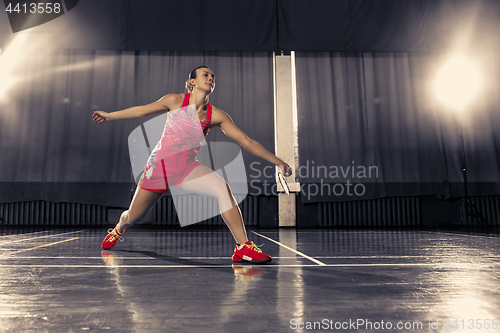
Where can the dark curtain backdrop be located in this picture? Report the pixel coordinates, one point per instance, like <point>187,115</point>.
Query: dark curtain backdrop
<point>362,110</point>
<point>51,150</point>
<point>386,25</point>
<point>269,25</point>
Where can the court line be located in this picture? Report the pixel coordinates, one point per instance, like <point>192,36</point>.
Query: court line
<point>225,258</point>
<point>28,233</point>
<point>54,235</point>
<point>289,248</point>
<point>152,258</point>
<point>37,247</point>
<point>465,235</point>
<point>343,257</point>
<point>125,258</point>
<point>337,257</point>
<point>449,265</point>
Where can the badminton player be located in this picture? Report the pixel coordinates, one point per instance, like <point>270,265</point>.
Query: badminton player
<point>170,167</point>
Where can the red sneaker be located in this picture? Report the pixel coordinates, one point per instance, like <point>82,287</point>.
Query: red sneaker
<point>113,236</point>
<point>249,252</point>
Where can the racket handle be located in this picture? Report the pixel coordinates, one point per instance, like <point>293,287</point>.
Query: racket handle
<point>288,170</point>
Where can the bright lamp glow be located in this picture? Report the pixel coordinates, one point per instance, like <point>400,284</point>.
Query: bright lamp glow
<point>9,61</point>
<point>458,82</point>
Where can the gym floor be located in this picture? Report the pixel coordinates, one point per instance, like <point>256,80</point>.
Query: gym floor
<point>183,280</point>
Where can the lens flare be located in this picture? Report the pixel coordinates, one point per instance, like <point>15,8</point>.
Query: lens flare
<point>458,82</point>
<point>9,62</point>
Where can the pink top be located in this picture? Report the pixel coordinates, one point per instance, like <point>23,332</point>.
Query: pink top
<point>182,135</point>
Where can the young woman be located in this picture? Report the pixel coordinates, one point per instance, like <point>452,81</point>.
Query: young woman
<point>173,161</point>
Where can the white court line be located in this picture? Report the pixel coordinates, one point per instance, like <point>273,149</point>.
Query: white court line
<point>288,248</point>
<point>39,258</point>
<point>137,258</point>
<point>54,235</point>
<point>28,233</point>
<point>214,258</point>
<point>448,265</point>
<point>225,258</point>
<point>465,235</point>
<point>338,257</point>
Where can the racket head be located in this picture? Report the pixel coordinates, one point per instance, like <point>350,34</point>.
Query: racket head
<point>283,183</point>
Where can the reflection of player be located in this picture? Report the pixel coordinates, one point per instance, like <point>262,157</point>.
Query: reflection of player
<point>246,274</point>
<point>180,166</point>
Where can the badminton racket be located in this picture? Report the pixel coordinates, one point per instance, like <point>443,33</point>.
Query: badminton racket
<point>282,180</point>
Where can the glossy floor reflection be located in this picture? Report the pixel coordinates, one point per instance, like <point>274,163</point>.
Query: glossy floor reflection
<point>182,280</point>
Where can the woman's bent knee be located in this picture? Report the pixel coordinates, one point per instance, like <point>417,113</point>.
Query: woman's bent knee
<point>223,190</point>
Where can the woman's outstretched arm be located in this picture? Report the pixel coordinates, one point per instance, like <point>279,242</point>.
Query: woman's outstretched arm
<point>160,106</point>
<point>232,131</point>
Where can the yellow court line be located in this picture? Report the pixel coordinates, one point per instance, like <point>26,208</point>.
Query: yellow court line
<point>37,247</point>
